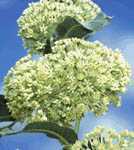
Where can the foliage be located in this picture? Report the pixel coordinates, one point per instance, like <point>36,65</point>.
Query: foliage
<point>106,139</point>
<point>66,136</point>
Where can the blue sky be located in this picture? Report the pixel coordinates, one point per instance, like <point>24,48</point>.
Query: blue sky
<point>120,33</point>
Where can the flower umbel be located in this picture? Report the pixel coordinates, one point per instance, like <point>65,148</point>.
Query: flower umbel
<point>106,139</point>
<point>78,77</point>
<point>39,21</point>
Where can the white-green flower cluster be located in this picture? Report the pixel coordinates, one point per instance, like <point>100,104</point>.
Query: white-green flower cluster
<point>79,76</point>
<point>40,19</point>
<point>106,139</point>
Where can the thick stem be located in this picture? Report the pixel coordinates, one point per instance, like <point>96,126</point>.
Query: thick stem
<point>77,126</point>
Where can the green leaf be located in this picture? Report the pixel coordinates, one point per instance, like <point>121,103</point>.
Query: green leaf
<point>65,135</point>
<point>71,28</point>
<point>4,111</point>
<point>98,23</point>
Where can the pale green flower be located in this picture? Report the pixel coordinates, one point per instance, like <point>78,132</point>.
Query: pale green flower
<point>106,139</point>
<point>40,19</point>
<point>78,77</point>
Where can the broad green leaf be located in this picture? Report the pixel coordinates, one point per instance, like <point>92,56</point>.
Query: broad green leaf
<point>98,23</point>
<point>67,29</point>
<point>63,134</point>
<point>4,111</point>
<point>66,136</point>
<point>70,27</point>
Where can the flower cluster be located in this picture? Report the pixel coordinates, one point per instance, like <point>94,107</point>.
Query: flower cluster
<point>79,76</point>
<point>106,139</point>
<point>39,22</point>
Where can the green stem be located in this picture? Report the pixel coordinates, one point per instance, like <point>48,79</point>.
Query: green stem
<point>77,126</point>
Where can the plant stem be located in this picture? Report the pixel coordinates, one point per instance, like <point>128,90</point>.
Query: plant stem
<point>77,126</point>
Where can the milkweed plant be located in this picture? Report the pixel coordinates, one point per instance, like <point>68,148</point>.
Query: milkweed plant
<point>69,76</point>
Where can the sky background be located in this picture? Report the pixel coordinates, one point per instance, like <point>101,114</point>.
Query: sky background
<point>119,34</point>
